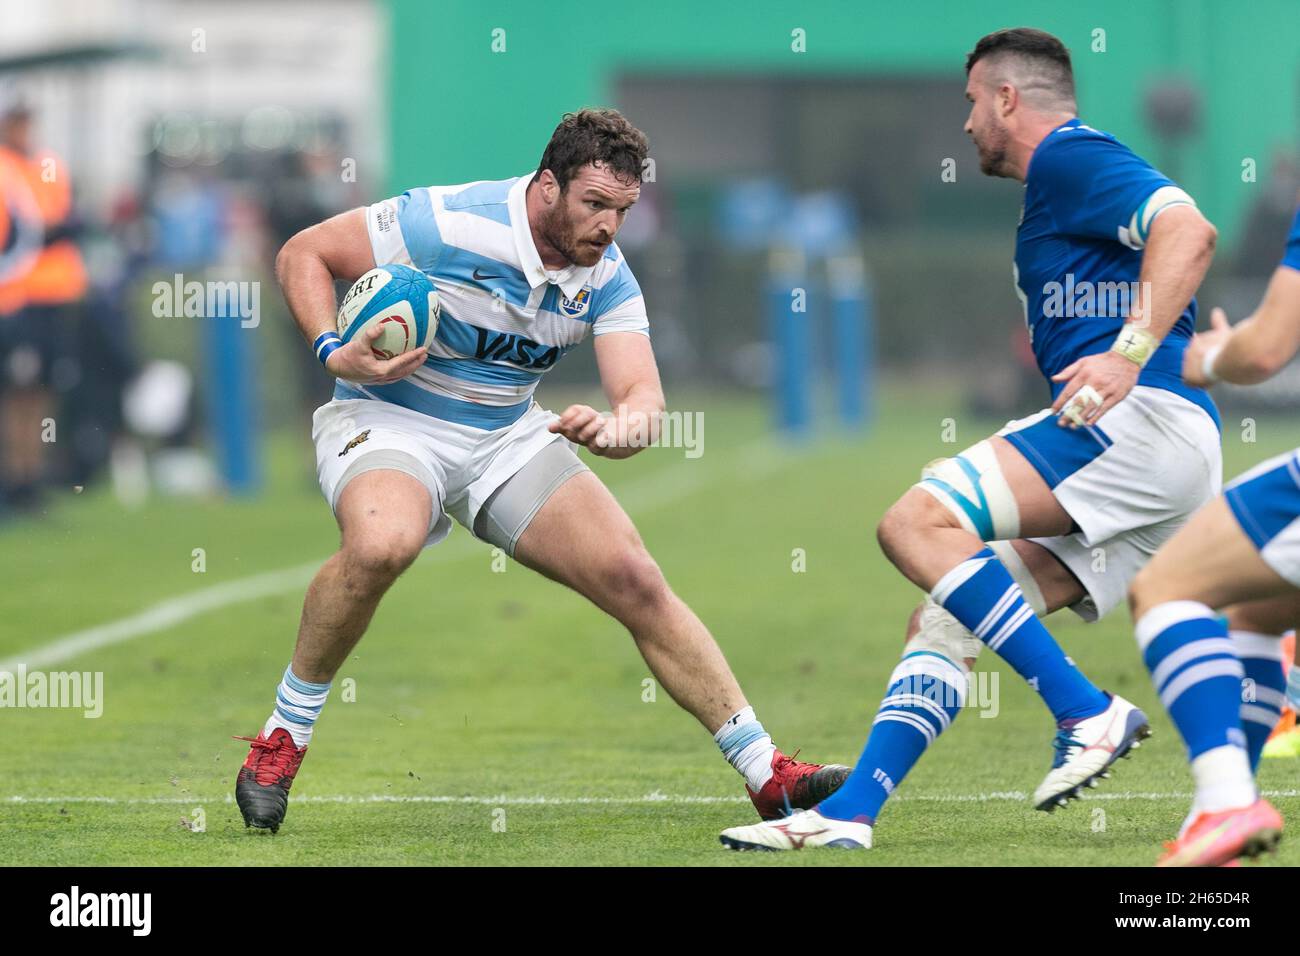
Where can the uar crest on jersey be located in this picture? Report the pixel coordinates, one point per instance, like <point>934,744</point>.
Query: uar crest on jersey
<point>578,304</point>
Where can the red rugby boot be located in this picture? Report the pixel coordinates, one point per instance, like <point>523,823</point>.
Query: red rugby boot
<point>262,787</point>
<point>796,786</point>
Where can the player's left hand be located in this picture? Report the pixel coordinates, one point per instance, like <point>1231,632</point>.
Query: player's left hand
<point>1216,336</point>
<point>583,425</point>
<point>1110,375</point>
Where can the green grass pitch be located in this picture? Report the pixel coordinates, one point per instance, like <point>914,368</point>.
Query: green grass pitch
<point>499,719</point>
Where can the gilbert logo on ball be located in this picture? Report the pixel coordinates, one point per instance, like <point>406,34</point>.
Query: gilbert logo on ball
<point>400,300</point>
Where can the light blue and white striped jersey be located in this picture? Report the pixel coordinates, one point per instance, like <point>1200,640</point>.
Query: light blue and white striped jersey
<point>505,319</point>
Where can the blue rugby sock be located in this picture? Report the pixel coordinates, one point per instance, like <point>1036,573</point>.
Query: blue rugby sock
<point>981,593</point>
<point>925,693</point>
<point>1263,692</point>
<point>1196,671</point>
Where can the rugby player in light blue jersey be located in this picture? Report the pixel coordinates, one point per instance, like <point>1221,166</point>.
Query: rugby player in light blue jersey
<point>1062,508</point>
<point>1221,678</point>
<point>525,269</point>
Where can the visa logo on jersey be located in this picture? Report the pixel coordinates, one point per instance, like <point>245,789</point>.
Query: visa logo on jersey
<point>508,347</point>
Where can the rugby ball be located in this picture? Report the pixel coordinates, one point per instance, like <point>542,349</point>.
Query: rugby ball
<point>400,300</point>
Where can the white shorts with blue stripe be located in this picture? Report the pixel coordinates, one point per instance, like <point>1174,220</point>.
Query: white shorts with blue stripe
<point>1129,482</point>
<point>1266,503</point>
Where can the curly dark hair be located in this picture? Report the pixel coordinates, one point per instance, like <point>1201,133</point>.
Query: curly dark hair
<point>601,136</point>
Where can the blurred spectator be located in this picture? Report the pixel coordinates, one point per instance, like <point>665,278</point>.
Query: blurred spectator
<point>189,211</point>
<point>1269,218</point>
<point>305,189</point>
<point>42,285</point>
<point>105,348</point>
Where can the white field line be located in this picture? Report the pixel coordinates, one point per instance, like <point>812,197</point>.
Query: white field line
<point>644,494</point>
<point>163,615</point>
<point>1007,796</point>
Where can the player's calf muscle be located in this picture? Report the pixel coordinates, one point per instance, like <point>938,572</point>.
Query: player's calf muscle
<point>1267,616</point>
<point>1057,585</point>
<point>333,620</point>
<point>913,623</point>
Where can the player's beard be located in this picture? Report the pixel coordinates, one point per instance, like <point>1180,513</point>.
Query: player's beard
<point>559,230</point>
<point>991,145</point>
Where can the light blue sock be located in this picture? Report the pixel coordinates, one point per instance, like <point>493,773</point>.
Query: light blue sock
<point>747,747</point>
<point>926,692</point>
<point>981,593</point>
<point>297,705</point>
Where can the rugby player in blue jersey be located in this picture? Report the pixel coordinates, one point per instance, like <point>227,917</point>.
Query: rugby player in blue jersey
<point>1221,678</point>
<point>1060,509</point>
<point>525,269</point>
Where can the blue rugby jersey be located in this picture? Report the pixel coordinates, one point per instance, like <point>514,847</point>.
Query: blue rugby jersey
<point>505,318</point>
<point>1079,254</point>
<point>1291,258</point>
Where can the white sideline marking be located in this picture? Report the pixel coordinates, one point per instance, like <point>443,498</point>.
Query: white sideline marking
<point>382,798</point>
<point>758,458</point>
<point>1010,796</point>
<point>177,610</point>
<point>163,615</point>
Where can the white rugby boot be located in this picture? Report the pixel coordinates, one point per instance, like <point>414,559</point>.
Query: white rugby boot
<point>1086,748</point>
<point>799,831</point>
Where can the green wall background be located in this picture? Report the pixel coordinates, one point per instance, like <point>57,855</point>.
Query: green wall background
<point>459,111</point>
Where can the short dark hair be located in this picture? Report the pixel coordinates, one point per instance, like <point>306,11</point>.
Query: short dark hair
<point>1048,54</point>
<point>601,136</point>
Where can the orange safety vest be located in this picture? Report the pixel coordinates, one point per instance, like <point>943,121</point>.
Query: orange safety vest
<point>56,274</point>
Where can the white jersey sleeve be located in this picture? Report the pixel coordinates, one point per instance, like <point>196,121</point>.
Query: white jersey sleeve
<point>404,231</point>
<point>619,305</point>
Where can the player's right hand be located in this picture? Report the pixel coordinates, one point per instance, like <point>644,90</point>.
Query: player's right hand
<point>356,362</point>
<point>1214,337</point>
<point>1108,378</point>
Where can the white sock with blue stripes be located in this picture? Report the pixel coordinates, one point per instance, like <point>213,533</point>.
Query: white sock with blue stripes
<point>747,747</point>
<point>297,705</point>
